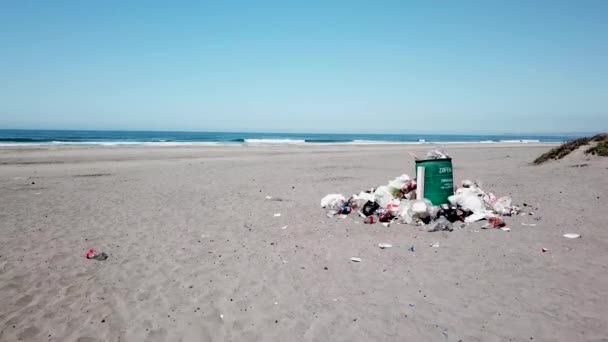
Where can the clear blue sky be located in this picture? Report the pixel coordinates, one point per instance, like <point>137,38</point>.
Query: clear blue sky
<point>306,66</point>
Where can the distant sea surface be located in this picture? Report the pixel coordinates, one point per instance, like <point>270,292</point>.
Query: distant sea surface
<point>110,138</point>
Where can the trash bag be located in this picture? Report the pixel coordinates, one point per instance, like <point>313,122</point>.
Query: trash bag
<point>451,213</point>
<point>399,185</point>
<point>358,201</point>
<point>393,208</point>
<point>417,211</point>
<point>437,154</point>
<point>384,196</point>
<point>475,217</point>
<point>346,209</point>
<point>370,208</point>
<point>470,199</point>
<point>503,206</point>
<point>333,201</point>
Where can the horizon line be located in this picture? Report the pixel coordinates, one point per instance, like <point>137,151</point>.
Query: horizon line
<point>294,132</point>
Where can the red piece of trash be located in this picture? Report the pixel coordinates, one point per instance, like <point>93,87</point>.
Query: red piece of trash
<point>496,222</point>
<point>91,254</point>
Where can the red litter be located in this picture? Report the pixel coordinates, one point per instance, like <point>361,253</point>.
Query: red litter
<point>91,253</point>
<point>496,222</point>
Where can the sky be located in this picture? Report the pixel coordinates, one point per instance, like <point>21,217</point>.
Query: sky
<point>305,66</point>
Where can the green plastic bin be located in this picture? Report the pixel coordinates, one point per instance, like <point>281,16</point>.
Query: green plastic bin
<point>438,179</point>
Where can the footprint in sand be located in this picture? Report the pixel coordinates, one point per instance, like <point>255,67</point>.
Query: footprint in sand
<point>23,301</point>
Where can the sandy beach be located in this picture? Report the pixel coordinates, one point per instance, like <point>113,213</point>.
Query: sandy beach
<point>197,254</point>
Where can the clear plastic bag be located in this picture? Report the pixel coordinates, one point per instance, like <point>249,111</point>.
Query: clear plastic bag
<point>437,154</point>
<point>333,201</point>
<point>502,206</point>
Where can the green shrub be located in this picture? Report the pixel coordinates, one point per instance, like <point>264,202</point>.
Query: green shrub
<point>601,149</point>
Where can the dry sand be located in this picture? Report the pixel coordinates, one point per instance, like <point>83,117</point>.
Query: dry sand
<point>196,254</point>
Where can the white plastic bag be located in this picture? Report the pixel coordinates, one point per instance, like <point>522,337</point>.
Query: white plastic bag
<point>358,201</point>
<point>502,206</point>
<point>470,199</point>
<point>383,196</point>
<point>332,201</point>
<point>399,184</point>
<point>412,211</point>
<point>437,154</point>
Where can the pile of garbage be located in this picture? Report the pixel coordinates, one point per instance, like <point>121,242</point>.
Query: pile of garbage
<point>397,202</point>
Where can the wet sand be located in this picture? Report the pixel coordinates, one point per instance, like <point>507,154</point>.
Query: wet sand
<point>196,254</point>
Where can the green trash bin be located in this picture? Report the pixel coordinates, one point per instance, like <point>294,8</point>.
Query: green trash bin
<point>438,179</point>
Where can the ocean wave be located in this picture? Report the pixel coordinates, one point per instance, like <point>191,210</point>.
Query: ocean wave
<point>274,141</point>
<point>522,141</point>
<point>380,142</point>
<point>5,142</point>
<point>327,141</point>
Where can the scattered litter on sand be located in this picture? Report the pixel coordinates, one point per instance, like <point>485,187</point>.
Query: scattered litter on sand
<point>268,197</point>
<point>403,201</point>
<point>385,245</point>
<point>437,154</point>
<point>93,254</point>
<point>284,227</point>
<point>441,224</point>
<point>494,222</point>
<point>277,214</point>
<point>506,229</point>
<point>332,201</point>
<point>355,259</point>
<point>572,236</point>
<point>544,250</point>
<point>435,244</point>
<point>528,224</point>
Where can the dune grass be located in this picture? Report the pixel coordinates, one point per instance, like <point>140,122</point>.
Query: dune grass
<point>564,149</point>
<point>601,149</point>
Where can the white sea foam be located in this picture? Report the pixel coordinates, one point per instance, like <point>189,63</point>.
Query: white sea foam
<point>256,142</point>
<point>274,141</point>
<point>379,142</point>
<point>522,141</point>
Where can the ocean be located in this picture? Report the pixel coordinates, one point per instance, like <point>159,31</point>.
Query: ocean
<point>10,137</point>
